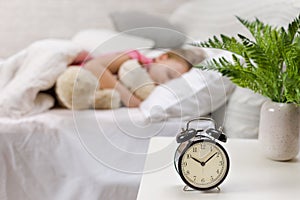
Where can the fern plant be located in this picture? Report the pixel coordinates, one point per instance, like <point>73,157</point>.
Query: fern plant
<point>271,64</point>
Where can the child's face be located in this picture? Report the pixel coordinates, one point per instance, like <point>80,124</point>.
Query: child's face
<point>164,69</point>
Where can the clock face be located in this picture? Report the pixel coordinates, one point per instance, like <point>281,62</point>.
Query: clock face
<point>204,165</point>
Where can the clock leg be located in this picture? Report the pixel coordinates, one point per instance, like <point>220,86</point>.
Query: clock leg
<point>188,189</point>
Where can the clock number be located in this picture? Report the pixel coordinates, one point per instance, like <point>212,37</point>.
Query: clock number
<point>211,178</point>
<point>203,180</point>
<point>185,164</point>
<point>195,177</point>
<point>188,156</point>
<point>194,149</point>
<point>187,172</point>
<point>218,171</point>
<point>221,163</point>
<point>202,146</point>
<point>218,154</point>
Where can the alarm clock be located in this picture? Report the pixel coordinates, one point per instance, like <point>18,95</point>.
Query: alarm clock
<point>200,160</point>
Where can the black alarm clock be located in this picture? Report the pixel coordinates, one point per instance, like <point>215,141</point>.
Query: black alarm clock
<point>200,160</point>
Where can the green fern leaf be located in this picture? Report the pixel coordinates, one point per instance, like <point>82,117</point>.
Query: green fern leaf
<point>271,61</point>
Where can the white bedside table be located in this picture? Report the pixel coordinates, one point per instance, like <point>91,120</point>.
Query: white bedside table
<point>251,175</point>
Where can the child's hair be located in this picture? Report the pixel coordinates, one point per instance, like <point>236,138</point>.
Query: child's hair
<point>191,57</point>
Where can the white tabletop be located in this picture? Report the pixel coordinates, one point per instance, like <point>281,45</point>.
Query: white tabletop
<point>251,175</point>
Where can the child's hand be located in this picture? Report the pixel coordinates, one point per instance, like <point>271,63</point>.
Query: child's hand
<point>128,99</point>
<point>81,57</point>
<point>134,102</point>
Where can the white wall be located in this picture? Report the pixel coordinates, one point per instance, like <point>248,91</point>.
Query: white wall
<point>24,21</point>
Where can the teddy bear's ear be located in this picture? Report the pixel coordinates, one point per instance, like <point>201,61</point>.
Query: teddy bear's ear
<point>136,79</point>
<point>75,88</point>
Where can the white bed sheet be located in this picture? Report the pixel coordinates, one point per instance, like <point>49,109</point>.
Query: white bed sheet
<point>61,154</point>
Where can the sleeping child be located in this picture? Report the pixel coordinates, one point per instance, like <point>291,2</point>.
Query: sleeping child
<point>161,69</point>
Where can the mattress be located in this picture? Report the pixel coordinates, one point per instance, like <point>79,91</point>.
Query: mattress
<point>63,154</point>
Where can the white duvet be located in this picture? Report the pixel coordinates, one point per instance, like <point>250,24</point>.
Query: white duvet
<point>62,154</point>
<point>51,156</point>
<point>32,70</point>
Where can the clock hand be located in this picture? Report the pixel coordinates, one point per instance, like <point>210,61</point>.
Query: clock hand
<point>210,158</point>
<point>198,161</point>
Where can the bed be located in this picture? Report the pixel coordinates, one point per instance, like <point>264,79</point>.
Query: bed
<point>53,156</point>
<point>88,154</point>
<point>61,154</point>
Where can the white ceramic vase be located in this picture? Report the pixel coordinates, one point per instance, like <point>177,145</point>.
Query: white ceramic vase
<point>279,130</point>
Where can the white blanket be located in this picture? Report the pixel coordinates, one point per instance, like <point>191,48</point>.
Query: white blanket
<point>43,157</point>
<point>32,70</point>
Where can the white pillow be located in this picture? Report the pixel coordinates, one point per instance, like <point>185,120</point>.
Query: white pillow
<point>160,30</point>
<point>243,113</point>
<point>100,41</point>
<point>195,93</point>
<point>203,19</point>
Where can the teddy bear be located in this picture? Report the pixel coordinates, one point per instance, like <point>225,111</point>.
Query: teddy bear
<point>136,79</point>
<point>77,88</point>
